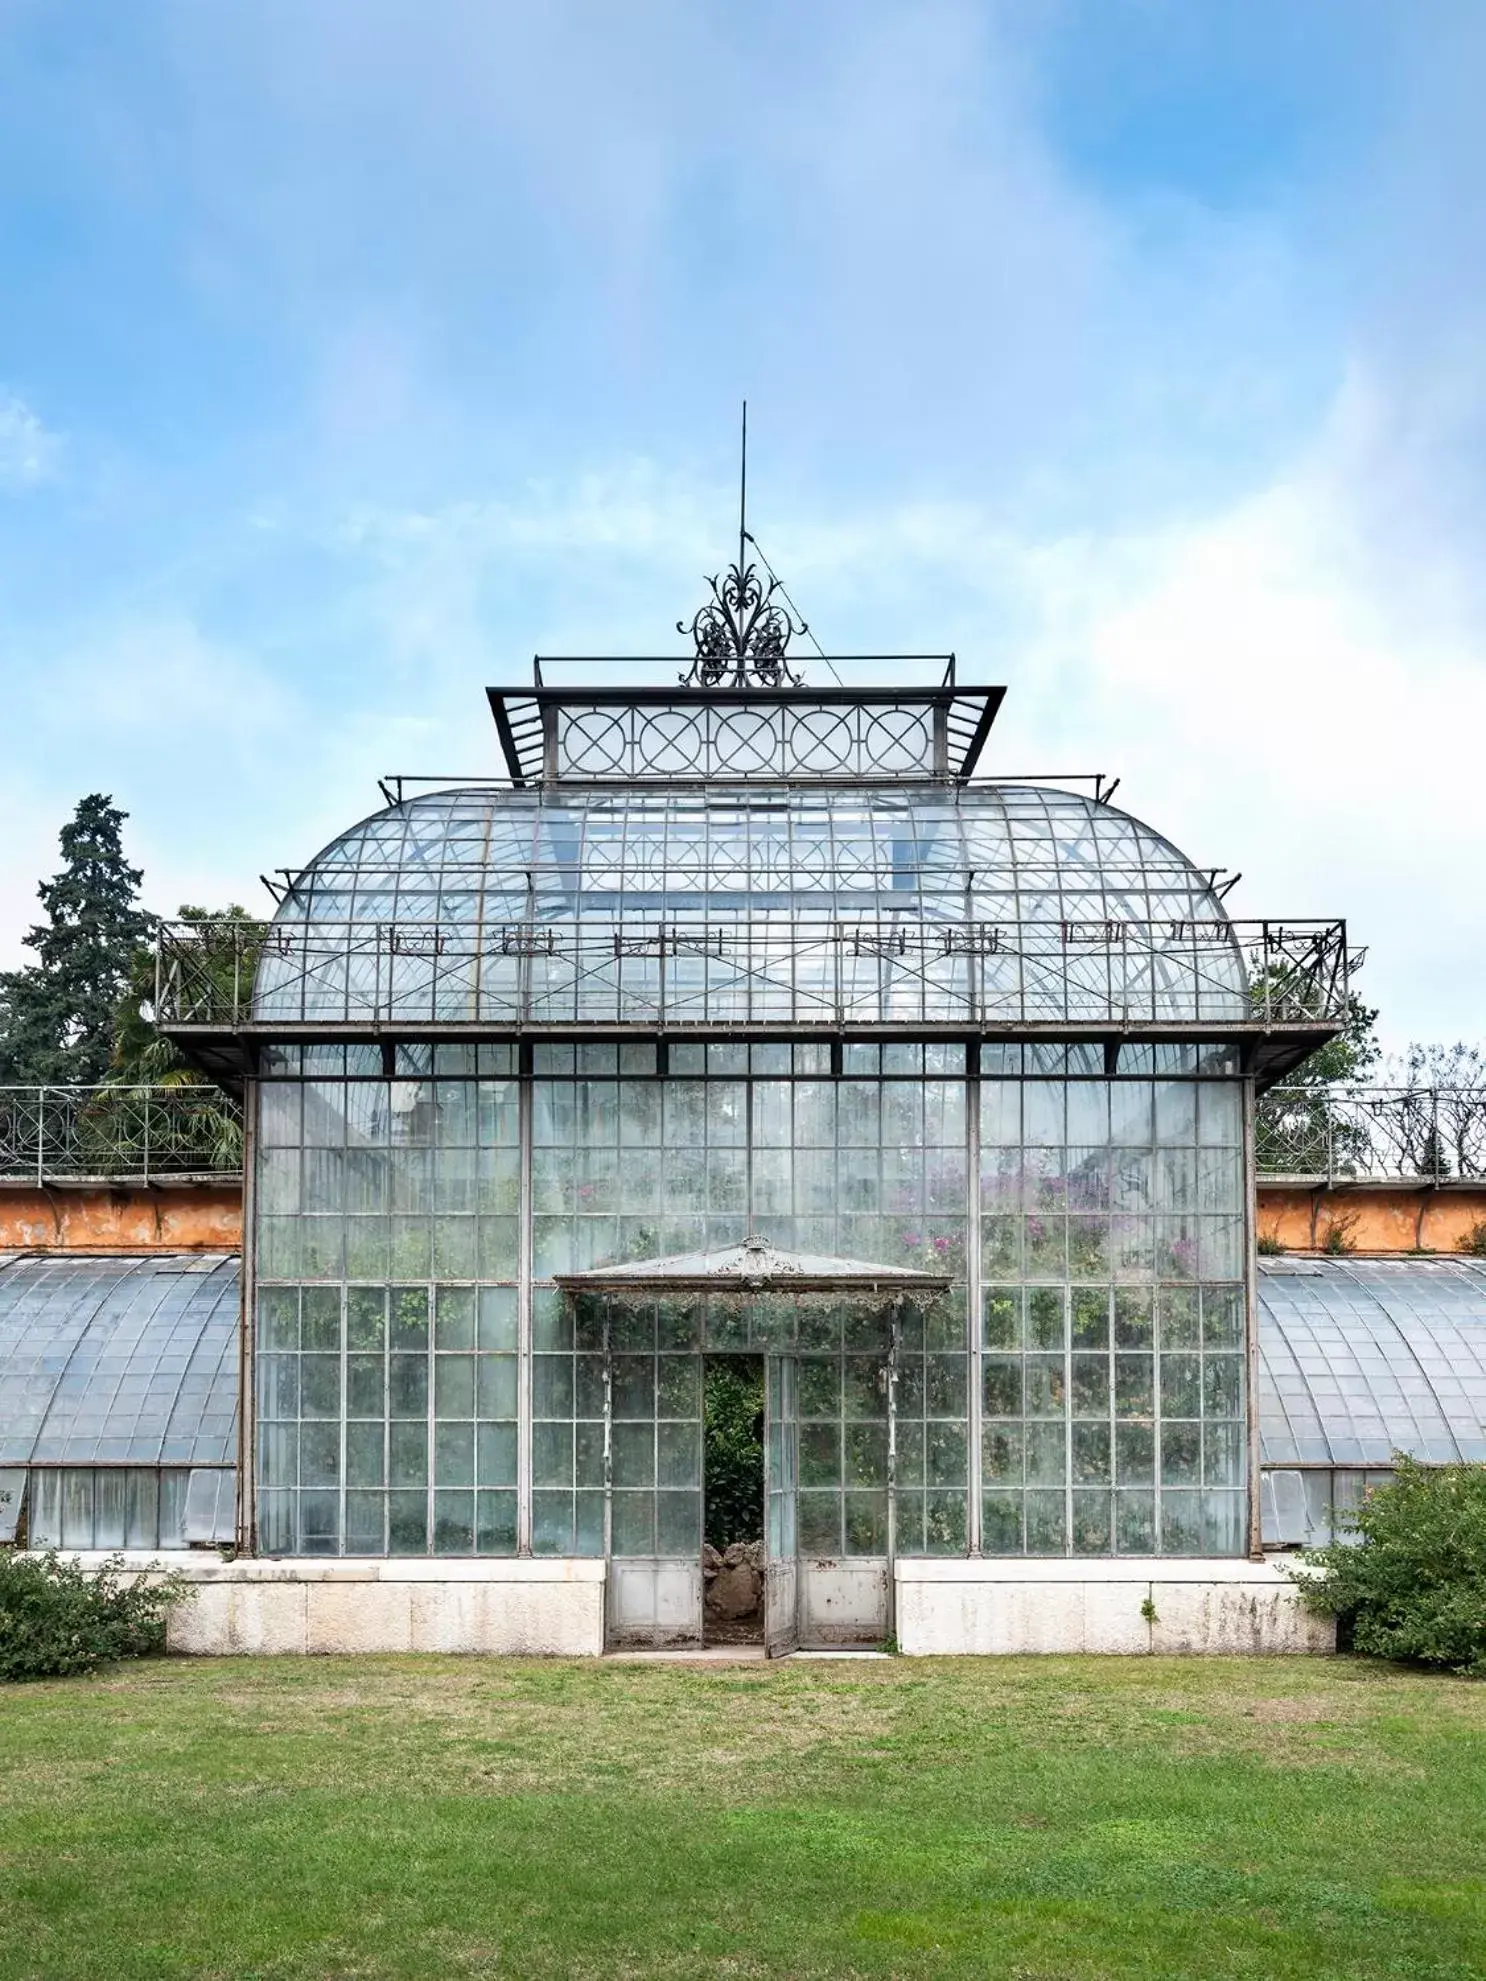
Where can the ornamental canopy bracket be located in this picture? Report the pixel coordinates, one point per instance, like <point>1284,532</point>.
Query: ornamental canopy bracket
<point>755,1266</point>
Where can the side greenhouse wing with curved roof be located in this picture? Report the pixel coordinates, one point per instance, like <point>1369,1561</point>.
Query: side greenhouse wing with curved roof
<point>118,1389</point>
<point>1361,1359</point>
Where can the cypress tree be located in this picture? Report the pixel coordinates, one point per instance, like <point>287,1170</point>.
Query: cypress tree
<point>57,1015</point>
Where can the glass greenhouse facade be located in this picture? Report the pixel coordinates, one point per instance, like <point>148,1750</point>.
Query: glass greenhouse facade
<point>742,1020</point>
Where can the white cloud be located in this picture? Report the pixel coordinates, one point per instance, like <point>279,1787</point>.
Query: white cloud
<point>190,735</point>
<point>1284,697</point>
<point>1280,693</point>
<point>1107,447</point>
<point>29,452</point>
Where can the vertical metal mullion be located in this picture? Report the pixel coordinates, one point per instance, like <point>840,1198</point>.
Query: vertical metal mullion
<point>894,1339</point>
<point>1251,1327</point>
<point>973,1296</point>
<point>429,1418</point>
<point>247,1411</point>
<point>387,1417</point>
<point>748,1099</point>
<point>341,1455</point>
<point>1067,1291</point>
<point>1068,1340</point>
<point>608,1434</point>
<point>655,1445</point>
<point>1158,1415</point>
<point>524,1103</point>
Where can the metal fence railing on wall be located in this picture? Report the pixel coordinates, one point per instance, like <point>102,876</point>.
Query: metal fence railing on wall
<point>116,1132</point>
<point>1320,1133</point>
<point>1358,1134</point>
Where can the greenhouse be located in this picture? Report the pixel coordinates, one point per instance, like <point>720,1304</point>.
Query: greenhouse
<point>749,1020</point>
<point>118,1400</point>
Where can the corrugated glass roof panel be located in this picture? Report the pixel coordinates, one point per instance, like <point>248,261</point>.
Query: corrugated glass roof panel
<point>119,1360</point>
<point>1360,1358</point>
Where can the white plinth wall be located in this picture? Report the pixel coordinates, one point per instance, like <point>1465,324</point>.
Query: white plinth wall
<point>1128,1607</point>
<point>555,1607</point>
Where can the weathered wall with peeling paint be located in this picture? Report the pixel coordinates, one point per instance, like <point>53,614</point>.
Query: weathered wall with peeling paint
<point>94,1218</point>
<point>1371,1219</point>
<point>171,1217</point>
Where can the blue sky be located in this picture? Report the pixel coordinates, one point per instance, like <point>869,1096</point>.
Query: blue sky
<point>352,351</point>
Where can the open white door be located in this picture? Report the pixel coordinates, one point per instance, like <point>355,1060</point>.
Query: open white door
<point>653,1485</point>
<point>781,1486</point>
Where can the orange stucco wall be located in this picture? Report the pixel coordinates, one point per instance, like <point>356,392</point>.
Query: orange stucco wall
<point>208,1218</point>
<point>97,1219</point>
<point>1378,1220</point>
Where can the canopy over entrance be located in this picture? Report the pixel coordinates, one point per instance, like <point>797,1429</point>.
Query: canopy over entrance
<point>752,1267</point>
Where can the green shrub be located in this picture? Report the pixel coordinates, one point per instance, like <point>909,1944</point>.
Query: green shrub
<point>57,1619</point>
<point>1474,1240</point>
<point>1412,1585</point>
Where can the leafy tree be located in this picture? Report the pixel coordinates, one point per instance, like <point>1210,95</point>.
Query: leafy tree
<point>57,1015</point>
<point>1299,1128</point>
<point>225,955</point>
<point>200,1123</point>
<point>1349,1057</point>
<point>1448,1112</point>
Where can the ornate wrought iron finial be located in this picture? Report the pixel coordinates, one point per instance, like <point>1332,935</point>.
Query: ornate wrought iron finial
<point>741,635</point>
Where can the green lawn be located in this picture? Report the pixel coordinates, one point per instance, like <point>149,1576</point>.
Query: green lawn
<point>1042,1819</point>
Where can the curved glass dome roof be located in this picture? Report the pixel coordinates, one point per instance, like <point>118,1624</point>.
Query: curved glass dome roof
<point>770,903</point>
<point>127,1361</point>
<point>1364,1357</point>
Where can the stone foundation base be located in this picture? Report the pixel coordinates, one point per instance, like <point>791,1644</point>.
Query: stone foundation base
<point>555,1608</point>
<point>537,1608</point>
<point>960,1608</point>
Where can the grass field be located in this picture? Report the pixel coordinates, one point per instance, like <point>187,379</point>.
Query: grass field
<point>1039,1819</point>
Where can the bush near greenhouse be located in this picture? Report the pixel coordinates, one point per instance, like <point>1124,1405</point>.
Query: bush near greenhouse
<point>58,1620</point>
<point>1412,1584</point>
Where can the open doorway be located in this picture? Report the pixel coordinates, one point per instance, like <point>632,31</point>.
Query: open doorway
<point>733,1502</point>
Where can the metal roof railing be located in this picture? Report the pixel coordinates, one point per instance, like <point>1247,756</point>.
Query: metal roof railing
<point>754,967</point>
<point>1323,1134</point>
<point>117,1133</point>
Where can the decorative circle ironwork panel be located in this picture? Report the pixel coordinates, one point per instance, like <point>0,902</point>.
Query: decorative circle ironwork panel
<point>595,742</point>
<point>670,743</point>
<point>897,739</point>
<point>821,741</point>
<point>747,742</point>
